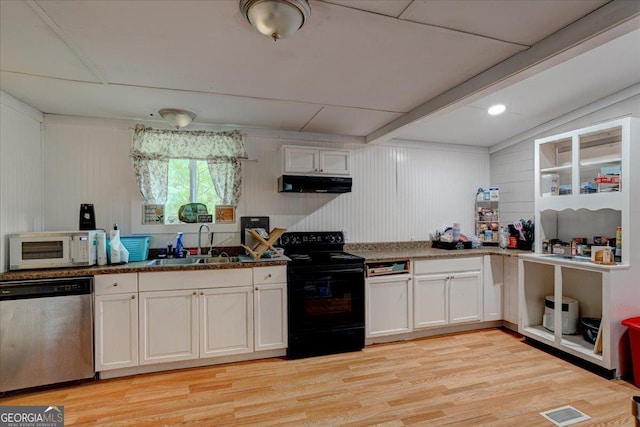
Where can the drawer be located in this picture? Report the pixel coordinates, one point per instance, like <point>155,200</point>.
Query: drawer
<point>447,265</point>
<point>107,284</point>
<point>275,274</point>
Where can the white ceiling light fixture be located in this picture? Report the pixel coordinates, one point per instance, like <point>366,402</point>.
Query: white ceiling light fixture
<point>177,118</point>
<point>496,110</point>
<point>276,18</point>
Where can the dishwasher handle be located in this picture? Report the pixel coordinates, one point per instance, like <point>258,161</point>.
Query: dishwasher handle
<point>45,288</point>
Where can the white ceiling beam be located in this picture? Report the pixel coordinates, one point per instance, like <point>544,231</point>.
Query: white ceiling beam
<point>605,24</point>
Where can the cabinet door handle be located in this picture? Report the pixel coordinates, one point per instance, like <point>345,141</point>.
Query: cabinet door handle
<point>195,293</point>
<point>133,297</point>
<point>201,292</point>
<point>256,289</point>
<point>321,170</point>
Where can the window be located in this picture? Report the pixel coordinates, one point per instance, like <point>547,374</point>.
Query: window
<point>174,168</point>
<point>189,182</point>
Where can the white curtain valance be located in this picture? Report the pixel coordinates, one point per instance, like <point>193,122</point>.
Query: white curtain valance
<point>161,144</point>
<point>151,150</point>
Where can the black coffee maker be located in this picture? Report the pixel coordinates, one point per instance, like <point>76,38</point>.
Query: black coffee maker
<point>87,217</point>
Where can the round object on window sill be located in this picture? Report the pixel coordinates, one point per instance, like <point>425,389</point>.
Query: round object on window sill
<point>189,213</point>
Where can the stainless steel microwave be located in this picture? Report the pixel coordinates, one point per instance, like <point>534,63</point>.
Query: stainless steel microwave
<point>52,249</point>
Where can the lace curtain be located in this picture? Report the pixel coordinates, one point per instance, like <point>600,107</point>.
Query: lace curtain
<point>151,150</point>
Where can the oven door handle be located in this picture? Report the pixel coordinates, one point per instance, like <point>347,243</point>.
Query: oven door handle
<point>329,270</point>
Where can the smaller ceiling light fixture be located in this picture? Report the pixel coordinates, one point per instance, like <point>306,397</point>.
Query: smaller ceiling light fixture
<point>276,18</point>
<point>497,109</point>
<point>177,118</point>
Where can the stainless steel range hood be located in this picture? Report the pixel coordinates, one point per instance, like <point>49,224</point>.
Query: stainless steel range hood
<point>314,184</point>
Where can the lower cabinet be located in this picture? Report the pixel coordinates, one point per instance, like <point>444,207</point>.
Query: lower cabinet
<point>493,287</point>
<point>510,307</point>
<point>168,326</point>
<point>389,308</point>
<point>447,291</point>
<point>157,317</point>
<point>226,321</point>
<point>270,311</point>
<point>116,321</point>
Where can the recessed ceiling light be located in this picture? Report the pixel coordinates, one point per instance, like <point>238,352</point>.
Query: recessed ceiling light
<point>494,110</point>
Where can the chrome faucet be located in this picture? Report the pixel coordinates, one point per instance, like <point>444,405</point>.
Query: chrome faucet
<point>200,239</point>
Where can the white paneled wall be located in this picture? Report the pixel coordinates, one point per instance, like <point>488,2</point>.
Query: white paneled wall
<point>399,192</point>
<point>512,173</point>
<point>87,161</point>
<point>20,171</point>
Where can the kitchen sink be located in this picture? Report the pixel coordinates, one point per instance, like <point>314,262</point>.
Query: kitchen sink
<point>174,261</point>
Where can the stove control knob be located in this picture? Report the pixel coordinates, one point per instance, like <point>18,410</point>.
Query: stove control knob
<point>285,240</point>
<point>331,238</point>
<point>338,238</point>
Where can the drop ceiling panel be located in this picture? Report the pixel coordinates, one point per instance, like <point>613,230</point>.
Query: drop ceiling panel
<point>122,102</point>
<point>383,7</point>
<point>29,45</point>
<point>348,121</point>
<point>543,97</point>
<point>343,57</point>
<point>520,21</point>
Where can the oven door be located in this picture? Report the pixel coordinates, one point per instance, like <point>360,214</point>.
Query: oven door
<point>325,297</point>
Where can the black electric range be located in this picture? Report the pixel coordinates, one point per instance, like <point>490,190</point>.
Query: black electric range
<point>325,294</point>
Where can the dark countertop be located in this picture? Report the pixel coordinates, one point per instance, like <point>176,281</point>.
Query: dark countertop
<point>371,252</point>
<point>132,267</point>
<point>380,254</point>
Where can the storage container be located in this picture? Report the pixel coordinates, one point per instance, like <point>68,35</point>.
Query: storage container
<point>138,247</point>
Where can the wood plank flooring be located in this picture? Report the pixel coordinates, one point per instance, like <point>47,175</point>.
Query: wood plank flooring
<point>487,377</point>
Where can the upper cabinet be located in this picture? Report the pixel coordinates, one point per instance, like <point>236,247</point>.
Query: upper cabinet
<point>585,168</point>
<point>594,169</point>
<point>317,161</point>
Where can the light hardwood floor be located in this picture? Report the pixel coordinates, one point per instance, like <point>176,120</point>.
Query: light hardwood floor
<point>487,377</point>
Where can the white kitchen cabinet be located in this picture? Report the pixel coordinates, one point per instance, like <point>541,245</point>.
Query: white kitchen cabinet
<point>493,287</point>
<point>584,181</point>
<point>270,308</point>
<point>608,293</point>
<point>226,321</point>
<point>116,321</point>
<point>168,326</point>
<point>431,302</point>
<point>510,307</point>
<point>448,291</point>
<point>308,160</point>
<point>389,309</point>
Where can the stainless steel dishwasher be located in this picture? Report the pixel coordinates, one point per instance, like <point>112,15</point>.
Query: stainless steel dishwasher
<point>46,332</point>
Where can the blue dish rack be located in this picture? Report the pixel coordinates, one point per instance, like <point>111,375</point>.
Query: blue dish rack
<point>138,247</point>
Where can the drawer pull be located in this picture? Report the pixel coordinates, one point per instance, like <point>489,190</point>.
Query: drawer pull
<point>133,297</point>
<point>269,276</point>
<point>115,284</point>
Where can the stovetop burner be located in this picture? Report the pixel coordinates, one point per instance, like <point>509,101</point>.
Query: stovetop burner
<point>321,257</point>
<point>317,248</point>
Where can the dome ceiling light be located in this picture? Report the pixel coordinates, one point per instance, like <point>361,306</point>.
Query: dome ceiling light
<point>177,118</point>
<point>276,18</point>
